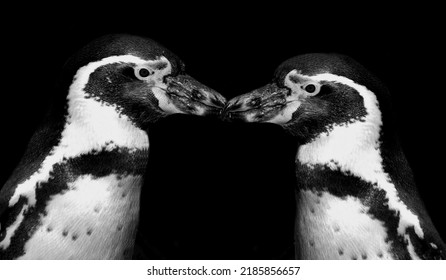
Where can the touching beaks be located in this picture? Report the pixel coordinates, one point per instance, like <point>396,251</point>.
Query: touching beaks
<point>189,96</point>
<point>261,105</point>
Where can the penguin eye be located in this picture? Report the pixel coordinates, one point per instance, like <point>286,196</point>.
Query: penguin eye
<point>142,73</point>
<point>312,88</point>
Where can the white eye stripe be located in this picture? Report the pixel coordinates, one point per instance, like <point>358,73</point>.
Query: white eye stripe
<point>153,71</point>
<point>302,84</point>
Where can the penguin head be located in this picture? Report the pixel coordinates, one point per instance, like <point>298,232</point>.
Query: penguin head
<point>137,77</point>
<point>309,94</point>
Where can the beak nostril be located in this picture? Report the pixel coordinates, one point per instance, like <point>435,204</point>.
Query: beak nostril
<point>255,101</point>
<point>196,94</point>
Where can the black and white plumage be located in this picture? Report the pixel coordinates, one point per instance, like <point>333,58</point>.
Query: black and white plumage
<point>75,193</point>
<point>356,196</point>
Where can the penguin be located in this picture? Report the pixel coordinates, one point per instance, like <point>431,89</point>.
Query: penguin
<point>75,193</point>
<point>356,197</point>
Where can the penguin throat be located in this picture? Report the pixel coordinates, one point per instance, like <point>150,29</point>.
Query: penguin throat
<point>354,150</point>
<point>92,124</point>
<point>348,146</point>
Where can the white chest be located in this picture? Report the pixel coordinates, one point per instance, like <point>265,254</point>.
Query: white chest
<point>329,227</point>
<point>95,219</point>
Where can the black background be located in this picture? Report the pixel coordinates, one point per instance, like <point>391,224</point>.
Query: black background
<point>225,191</point>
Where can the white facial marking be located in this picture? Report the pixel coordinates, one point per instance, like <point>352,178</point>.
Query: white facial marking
<point>333,228</point>
<point>286,114</point>
<point>433,245</point>
<point>159,89</point>
<point>90,125</point>
<point>164,101</point>
<point>355,148</point>
<point>293,101</point>
<point>95,219</point>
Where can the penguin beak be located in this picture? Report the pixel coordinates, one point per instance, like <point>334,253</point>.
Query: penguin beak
<point>260,105</point>
<point>191,97</point>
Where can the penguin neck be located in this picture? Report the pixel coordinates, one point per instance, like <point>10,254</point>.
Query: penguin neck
<point>350,167</point>
<point>353,148</point>
<point>92,124</point>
